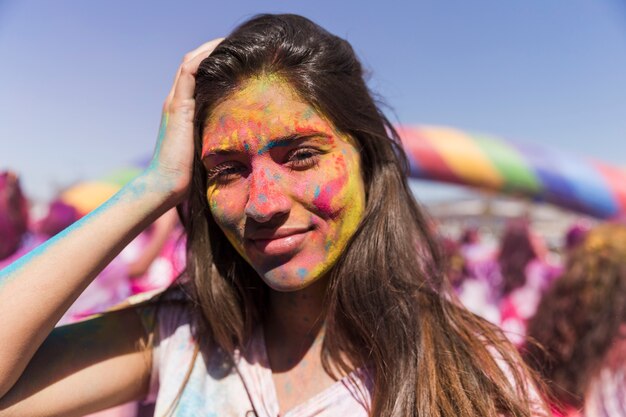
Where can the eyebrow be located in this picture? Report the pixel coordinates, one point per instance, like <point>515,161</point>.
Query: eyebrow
<point>274,143</point>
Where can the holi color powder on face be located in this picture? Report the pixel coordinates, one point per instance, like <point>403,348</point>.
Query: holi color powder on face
<point>284,186</point>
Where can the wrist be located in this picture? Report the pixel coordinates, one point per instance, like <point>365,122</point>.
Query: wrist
<point>163,190</point>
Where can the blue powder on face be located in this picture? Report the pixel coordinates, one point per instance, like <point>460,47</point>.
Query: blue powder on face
<point>302,272</point>
<point>272,144</point>
<point>317,192</point>
<point>308,114</point>
<point>262,198</point>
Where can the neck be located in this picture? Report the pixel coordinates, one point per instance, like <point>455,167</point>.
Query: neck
<point>298,313</point>
<point>295,321</point>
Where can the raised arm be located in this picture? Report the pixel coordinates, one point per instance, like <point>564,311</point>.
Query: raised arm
<point>37,289</point>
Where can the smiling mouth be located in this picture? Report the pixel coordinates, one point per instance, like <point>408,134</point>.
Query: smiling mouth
<point>279,242</point>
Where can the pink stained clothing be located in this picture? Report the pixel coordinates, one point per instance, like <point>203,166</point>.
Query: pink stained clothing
<point>480,262</point>
<point>216,387</point>
<point>109,288</point>
<point>164,269</point>
<point>570,412</point>
<point>520,305</point>
<point>475,295</point>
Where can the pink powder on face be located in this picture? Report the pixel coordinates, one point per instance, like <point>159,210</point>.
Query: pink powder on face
<point>325,194</point>
<point>323,200</point>
<point>265,191</point>
<point>263,181</point>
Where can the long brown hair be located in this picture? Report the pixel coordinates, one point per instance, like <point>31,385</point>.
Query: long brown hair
<point>387,302</point>
<point>580,316</point>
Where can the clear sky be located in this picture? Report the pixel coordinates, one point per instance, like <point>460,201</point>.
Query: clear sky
<point>82,82</point>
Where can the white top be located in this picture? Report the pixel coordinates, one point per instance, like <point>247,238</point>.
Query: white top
<point>217,388</point>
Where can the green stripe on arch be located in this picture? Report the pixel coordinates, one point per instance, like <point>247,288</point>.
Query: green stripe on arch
<point>517,173</point>
<point>464,157</point>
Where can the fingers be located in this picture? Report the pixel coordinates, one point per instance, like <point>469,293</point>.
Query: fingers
<point>191,62</point>
<point>204,50</point>
<point>187,77</point>
<point>207,46</point>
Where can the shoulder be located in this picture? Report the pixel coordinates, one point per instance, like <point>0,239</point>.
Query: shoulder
<point>164,312</point>
<point>168,320</point>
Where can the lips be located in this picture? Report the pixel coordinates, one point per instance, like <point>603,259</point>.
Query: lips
<point>282,241</point>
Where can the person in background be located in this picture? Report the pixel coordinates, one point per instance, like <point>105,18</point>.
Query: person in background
<point>524,274</point>
<point>467,260</point>
<point>14,219</point>
<point>577,338</point>
<point>455,262</point>
<point>575,235</point>
<point>156,257</point>
<point>59,216</point>
<point>476,251</point>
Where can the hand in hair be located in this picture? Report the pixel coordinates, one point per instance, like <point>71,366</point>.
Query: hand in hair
<point>173,156</point>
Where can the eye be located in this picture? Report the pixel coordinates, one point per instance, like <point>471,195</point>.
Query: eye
<point>303,158</point>
<point>225,172</point>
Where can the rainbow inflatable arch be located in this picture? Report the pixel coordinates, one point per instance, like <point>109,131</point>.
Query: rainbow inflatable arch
<point>542,174</point>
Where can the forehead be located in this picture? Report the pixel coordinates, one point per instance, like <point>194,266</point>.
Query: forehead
<point>262,108</point>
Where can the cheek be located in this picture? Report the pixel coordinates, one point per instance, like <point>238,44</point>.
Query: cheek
<point>342,199</point>
<point>226,207</point>
<point>335,186</point>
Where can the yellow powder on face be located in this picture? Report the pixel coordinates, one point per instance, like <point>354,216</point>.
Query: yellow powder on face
<point>263,109</point>
<point>351,215</point>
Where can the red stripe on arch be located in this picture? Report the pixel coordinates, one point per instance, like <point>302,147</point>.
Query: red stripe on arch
<point>429,162</point>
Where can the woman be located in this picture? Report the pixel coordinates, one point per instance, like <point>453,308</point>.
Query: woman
<point>302,280</point>
<point>580,327</point>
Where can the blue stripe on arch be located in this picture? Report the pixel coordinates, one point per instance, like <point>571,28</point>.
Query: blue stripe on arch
<point>570,181</point>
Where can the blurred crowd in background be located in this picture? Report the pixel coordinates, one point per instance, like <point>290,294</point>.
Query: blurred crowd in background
<point>564,307</point>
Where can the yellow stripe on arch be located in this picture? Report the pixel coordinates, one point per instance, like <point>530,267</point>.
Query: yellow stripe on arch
<point>464,157</point>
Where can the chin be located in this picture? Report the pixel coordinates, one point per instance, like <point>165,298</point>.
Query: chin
<point>288,279</point>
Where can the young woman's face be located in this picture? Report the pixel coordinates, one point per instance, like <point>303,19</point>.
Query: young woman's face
<point>283,185</point>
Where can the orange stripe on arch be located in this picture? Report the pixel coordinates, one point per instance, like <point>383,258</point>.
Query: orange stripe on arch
<point>464,157</point>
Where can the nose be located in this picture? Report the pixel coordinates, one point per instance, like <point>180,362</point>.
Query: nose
<point>267,196</point>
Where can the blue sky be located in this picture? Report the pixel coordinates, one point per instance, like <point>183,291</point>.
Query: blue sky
<point>82,83</point>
